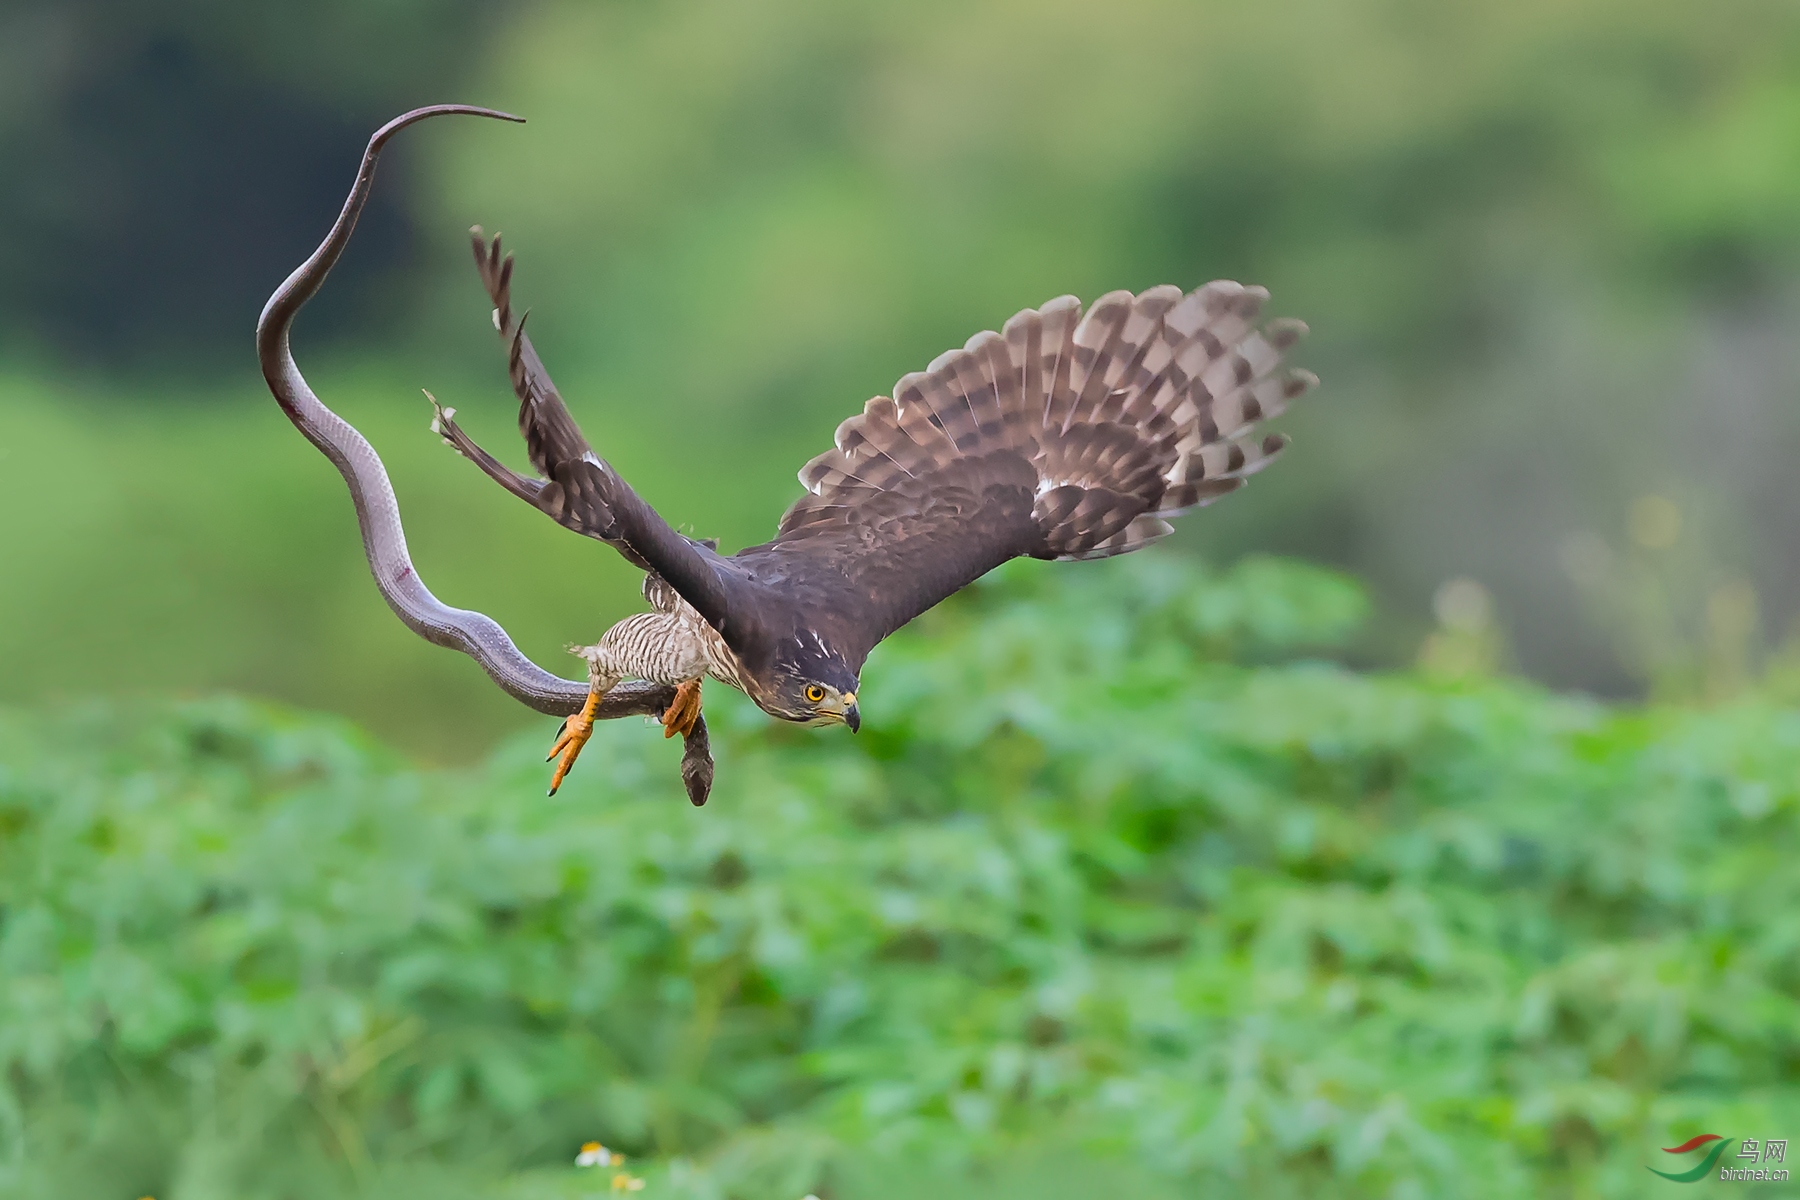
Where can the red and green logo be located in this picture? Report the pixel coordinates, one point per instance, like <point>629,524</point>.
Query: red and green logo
<point>1706,1164</point>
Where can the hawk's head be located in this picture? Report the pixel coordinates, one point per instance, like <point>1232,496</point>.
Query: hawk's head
<point>809,683</point>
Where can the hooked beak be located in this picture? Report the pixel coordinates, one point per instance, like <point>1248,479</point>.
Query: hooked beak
<point>852,717</point>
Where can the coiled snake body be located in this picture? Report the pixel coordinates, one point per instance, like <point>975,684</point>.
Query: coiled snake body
<point>378,512</point>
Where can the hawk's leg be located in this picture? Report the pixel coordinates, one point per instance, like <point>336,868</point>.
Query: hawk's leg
<point>683,711</point>
<point>574,734</point>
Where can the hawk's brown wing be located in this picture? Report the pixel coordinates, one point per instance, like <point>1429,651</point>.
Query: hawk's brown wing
<point>1064,436</point>
<point>573,479</point>
<point>578,488</point>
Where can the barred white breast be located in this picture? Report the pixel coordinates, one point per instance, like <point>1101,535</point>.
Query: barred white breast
<point>661,647</point>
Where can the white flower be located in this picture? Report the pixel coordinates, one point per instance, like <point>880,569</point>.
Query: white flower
<point>593,1154</point>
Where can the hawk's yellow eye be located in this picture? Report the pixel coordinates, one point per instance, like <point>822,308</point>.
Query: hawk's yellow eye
<point>814,693</point>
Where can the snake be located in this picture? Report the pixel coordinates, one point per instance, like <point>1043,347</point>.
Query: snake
<point>378,509</point>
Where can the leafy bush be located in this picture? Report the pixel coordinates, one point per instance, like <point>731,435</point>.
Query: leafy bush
<point>1110,879</point>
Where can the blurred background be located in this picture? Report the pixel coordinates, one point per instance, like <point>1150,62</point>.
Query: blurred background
<point>1421,822</point>
<point>1548,251</point>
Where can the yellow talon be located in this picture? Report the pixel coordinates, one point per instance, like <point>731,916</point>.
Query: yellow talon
<point>683,711</point>
<point>573,735</point>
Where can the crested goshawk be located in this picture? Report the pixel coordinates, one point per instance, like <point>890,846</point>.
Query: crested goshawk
<point>1069,434</point>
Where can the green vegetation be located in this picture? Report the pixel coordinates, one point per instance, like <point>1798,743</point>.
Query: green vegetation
<point>1115,882</point>
<point>1131,886</point>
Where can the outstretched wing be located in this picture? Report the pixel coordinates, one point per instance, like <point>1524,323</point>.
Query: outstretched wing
<point>1064,436</point>
<point>574,480</point>
<point>577,487</point>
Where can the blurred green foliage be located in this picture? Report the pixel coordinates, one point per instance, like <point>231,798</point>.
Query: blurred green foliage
<point>165,165</point>
<point>1119,891</point>
<point>1116,886</point>
<point>1546,249</point>
<point>208,548</point>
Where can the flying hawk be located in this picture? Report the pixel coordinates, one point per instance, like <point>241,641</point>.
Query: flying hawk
<point>1067,435</point>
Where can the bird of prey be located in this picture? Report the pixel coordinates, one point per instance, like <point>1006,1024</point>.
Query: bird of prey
<point>1067,435</point>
